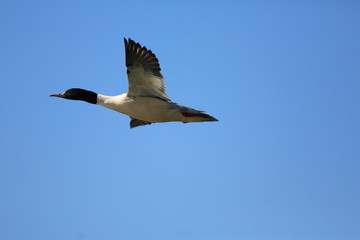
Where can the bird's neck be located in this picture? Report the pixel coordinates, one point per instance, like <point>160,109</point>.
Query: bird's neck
<point>112,102</point>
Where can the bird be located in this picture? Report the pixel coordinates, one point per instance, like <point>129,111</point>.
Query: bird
<point>146,101</point>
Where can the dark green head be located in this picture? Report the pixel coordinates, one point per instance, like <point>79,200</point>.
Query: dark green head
<point>78,94</point>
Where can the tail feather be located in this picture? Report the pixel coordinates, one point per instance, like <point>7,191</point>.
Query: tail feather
<point>193,115</point>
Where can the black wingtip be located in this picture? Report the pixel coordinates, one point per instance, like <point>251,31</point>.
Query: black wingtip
<point>127,41</point>
<point>135,52</point>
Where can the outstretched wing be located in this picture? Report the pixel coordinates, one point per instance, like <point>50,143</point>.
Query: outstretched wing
<point>143,71</point>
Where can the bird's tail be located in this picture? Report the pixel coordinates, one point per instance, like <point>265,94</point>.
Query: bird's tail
<point>192,115</point>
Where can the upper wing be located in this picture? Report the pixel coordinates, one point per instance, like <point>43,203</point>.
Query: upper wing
<point>143,70</point>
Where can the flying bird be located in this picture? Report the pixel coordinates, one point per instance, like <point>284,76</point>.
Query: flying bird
<point>146,101</point>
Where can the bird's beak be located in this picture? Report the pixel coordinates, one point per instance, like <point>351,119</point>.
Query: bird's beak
<point>58,95</point>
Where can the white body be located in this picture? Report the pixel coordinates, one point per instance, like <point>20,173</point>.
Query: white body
<point>145,108</point>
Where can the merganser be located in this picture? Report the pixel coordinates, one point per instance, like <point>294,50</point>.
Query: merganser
<point>146,100</point>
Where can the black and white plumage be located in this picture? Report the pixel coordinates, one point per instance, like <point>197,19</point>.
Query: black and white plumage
<point>143,71</point>
<point>146,100</point>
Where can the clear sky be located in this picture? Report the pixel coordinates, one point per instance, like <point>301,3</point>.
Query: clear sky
<point>283,162</point>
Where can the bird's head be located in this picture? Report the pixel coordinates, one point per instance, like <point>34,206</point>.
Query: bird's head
<point>78,94</point>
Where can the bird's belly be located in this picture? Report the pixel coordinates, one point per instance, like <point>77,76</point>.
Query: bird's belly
<point>151,110</point>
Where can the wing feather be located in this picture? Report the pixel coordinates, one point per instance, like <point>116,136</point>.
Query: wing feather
<point>143,70</point>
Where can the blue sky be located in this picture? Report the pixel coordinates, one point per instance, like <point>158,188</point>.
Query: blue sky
<point>283,78</point>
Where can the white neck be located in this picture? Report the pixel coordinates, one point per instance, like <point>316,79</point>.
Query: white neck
<point>112,102</point>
